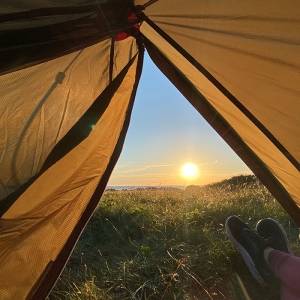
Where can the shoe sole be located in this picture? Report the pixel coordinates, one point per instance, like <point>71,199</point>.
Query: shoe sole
<point>283,233</point>
<point>245,255</point>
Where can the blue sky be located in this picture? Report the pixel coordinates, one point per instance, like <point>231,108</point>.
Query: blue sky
<point>164,133</point>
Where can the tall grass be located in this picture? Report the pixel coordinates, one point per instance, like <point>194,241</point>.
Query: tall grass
<point>169,244</point>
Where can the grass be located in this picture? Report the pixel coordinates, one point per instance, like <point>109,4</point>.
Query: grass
<point>169,244</point>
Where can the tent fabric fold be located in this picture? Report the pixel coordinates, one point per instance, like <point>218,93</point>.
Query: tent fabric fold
<point>73,137</point>
<point>41,103</point>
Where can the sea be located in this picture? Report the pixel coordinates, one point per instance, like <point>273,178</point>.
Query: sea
<point>139,187</point>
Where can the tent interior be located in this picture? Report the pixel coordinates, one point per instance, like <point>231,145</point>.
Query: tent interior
<point>68,77</point>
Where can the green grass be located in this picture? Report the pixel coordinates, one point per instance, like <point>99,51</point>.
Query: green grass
<point>169,244</point>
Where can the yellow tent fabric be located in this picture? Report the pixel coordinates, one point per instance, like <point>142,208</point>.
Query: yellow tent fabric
<point>280,166</point>
<point>44,220</point>
<point>41,103</point>
<point>255,41</point>
<point>252,50</point>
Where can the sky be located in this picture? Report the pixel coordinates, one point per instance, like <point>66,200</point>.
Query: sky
<point>166,132</point>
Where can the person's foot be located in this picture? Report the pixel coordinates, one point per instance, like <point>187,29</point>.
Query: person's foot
<point>251,246</point>
<point>274,234</point>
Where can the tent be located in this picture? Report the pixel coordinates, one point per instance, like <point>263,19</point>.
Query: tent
<point>69,72</point>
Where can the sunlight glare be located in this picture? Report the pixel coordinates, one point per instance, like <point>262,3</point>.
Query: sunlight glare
<point>189,171</point>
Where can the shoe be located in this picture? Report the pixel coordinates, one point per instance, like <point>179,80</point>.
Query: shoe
<point>251,246</point>
<point>274,234</point>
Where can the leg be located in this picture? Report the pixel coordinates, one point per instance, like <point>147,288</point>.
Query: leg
<point>287,268</point>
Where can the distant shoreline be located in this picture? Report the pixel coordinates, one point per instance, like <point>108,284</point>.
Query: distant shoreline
<point>233,181</point>
<point>142,187</point>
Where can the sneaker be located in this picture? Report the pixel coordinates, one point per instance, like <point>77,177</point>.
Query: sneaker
<point>251,247</point>
<point>274,234</point>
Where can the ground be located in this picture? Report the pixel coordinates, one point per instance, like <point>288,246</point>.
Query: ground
<point>170,244</point>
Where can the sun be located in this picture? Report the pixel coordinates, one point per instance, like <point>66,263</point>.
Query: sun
<point>189,171</point>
